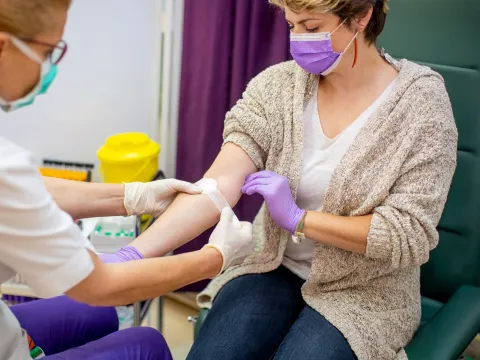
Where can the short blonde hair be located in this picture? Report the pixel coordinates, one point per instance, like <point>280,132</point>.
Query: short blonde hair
<point>346,10</point>
<point>28,18</point>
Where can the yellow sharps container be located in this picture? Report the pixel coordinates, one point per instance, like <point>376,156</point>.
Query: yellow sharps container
<point>128,157</point>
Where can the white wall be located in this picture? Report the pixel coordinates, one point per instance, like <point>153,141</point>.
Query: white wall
<point>171,75</point>
<point>108,82</point>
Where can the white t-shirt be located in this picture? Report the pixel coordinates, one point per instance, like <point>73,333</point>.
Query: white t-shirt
<point>37,240</point>
<point>320,157</point>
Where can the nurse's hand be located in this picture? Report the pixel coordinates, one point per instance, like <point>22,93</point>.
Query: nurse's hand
<point>126,253</point>
<point>154,197</point>
<point>232,239</point>
<point>277,194</point>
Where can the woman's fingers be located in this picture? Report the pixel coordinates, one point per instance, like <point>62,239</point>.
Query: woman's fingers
<point>183,186</point>
<point>258,175</point>
<point>257,189</point>
<point>254,182</point>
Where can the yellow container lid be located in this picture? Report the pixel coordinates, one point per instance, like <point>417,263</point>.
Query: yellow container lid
<point>128,148</point>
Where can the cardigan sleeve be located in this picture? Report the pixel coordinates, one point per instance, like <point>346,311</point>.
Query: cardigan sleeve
<point>246,123</point>
<point>403,228</point>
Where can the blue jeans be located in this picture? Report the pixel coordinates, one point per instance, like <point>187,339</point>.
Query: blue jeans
<point>68,330</point>
<point>264,317</point>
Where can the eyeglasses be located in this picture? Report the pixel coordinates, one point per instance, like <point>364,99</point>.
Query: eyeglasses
<point>57,53</point>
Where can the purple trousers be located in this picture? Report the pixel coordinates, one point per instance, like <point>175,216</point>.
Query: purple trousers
<point>68,330</point>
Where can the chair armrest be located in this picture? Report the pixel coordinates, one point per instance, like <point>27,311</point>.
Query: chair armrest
<point>200,320</point>
<point>451,330</point>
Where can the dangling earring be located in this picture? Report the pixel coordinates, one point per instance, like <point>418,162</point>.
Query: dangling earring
<point>356,54</point>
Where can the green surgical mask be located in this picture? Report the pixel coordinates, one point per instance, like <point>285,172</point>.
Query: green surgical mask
<point>48,72</point>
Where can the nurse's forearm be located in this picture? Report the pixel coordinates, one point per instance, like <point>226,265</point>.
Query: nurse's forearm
<point>186,218</point>
<point>84,200</point>
<point>129,282</point>
<point>190,215</point>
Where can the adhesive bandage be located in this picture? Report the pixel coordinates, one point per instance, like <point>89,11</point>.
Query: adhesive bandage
<point>209,187</point>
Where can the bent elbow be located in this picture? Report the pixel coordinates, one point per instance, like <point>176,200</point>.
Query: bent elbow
<point>88,296</point>
<point>416,244</point>
<point>405,242</point>
<point>95,290</point>
<point>413,256</point>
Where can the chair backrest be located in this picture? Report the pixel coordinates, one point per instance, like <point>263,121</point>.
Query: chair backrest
<point>445,35</point>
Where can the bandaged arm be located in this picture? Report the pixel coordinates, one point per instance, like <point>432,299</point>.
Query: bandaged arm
<point>247,140</point>
<point>190,215</point>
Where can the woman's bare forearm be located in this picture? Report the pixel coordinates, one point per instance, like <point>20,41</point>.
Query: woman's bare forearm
<point>85,200</point>
<point>129,282</point>
<point>347,233</point>
<point>186,218</point>
<point>190,215</point>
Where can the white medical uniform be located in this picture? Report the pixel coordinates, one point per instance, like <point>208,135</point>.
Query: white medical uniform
<point>37,240</point>
<point>320,157</point>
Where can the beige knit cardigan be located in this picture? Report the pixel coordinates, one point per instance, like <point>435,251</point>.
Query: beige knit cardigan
<point>399,168</point>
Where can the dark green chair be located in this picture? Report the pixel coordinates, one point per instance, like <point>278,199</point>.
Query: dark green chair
<point>445,35</point>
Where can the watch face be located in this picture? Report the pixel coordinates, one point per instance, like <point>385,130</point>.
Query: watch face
<point>298,237</point>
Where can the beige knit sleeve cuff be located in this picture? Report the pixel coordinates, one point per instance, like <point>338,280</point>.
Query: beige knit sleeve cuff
<point>379,239</point>
<point>253,150</point>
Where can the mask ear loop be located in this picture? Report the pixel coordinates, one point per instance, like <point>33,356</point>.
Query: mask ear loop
<point>338,27</point>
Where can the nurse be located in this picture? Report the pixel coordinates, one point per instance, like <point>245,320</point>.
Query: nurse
<point>39,240</point>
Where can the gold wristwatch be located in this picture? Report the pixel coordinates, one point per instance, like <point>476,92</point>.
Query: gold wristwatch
<point>299,235</point>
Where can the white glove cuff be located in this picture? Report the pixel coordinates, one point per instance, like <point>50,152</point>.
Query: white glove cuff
<point>221,253</point>
<point>132,198</point>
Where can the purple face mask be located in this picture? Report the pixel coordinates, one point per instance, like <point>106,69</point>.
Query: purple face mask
<point>314,53</point>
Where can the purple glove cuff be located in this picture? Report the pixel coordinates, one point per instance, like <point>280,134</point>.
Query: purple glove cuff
<point>297,216</point>
<point>127,253</point>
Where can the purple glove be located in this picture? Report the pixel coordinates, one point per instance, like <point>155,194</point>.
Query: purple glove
<point>127,253</point>
<point>278,196</point>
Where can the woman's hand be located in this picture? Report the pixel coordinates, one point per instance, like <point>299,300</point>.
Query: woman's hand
<point>277,194</point>
<point>154,197</point>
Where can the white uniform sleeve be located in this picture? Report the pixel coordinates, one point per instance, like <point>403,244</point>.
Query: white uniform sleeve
<point>37,239</point>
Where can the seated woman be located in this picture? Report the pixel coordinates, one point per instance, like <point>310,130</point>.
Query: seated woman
<point>360,151</point>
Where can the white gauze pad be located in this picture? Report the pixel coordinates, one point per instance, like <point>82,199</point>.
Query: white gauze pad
<point>209,187</point>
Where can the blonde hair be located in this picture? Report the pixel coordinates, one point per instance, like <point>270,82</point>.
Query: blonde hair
<point>345,9</point>
<point>28,18</point>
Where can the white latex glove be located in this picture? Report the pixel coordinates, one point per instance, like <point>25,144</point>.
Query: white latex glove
<point>233,239</point>
<point>154,197</point>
